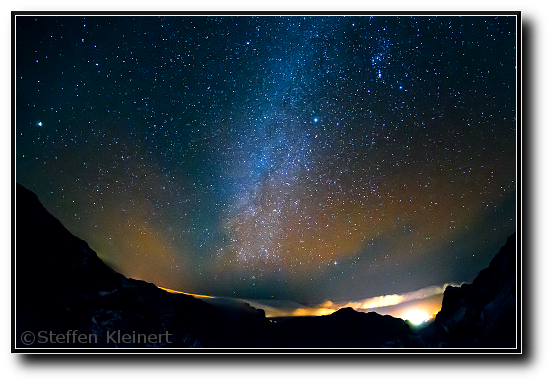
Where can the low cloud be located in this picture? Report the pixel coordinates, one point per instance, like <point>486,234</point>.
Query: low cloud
<point>277,308</point>
<point>284,308</point>
<point>388,300</point>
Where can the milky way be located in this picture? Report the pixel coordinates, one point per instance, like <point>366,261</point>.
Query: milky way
<point>304,158</point>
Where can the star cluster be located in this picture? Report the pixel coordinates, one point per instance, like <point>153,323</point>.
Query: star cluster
<point>304,158</point>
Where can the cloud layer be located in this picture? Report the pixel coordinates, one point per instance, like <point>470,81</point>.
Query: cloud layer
<point>428,298</point>
<point>278,308</point>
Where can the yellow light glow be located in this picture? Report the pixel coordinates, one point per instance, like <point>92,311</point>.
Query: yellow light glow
<point>184,293</point>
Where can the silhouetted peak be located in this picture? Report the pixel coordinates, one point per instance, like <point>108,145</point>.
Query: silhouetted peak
<point>347,311</point>
<point>480,314</point>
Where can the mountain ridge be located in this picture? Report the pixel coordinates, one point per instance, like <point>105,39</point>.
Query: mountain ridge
<point>483,313</point>
<point>61,284</point>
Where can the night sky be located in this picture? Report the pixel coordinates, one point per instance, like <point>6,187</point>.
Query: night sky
<point>289,158</point>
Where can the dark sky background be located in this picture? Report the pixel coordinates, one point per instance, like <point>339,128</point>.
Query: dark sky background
<point>294,158</point>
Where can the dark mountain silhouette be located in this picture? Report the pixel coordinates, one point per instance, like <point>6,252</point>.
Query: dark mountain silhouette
<point>62,285</point>
<point>345,328</point>
<point>63,288</point>
<point>481,314</point>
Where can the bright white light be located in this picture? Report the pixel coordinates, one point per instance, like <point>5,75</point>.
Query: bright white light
<point>416,316</point>
<point>316,119</point>
<point>39,123</point>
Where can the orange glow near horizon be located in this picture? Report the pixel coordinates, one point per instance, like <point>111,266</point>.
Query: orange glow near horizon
<point>312,312</point>
<point>422,308</point>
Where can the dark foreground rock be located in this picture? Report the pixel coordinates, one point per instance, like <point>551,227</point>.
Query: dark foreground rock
<point>345,328</point>
<point>63,286</point>
<point>481,314</point>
